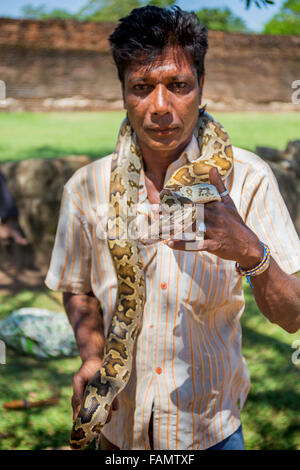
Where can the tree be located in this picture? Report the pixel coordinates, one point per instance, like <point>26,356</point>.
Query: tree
<point>112,10</point>
<point>221,20</point>
<point>40,13</point>
<point>258,3</point>
<point>161,3</point>
<point>287,21</point>
<point>29,11</point>
<point>106,10</point>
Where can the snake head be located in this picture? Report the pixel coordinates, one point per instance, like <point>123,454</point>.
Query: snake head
<point>90,420</point>
<point>173,199</point>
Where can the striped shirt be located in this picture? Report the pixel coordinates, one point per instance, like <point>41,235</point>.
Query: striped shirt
<point>188,369</point>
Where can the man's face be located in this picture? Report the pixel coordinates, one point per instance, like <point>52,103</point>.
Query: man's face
<point>162,101</point>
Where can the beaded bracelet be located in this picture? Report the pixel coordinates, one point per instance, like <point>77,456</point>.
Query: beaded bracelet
<point>259,269</point>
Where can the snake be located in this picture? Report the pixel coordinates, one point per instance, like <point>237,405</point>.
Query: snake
<point>189,183</point>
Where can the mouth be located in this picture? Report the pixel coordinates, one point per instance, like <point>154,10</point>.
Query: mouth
<point>164,130</point>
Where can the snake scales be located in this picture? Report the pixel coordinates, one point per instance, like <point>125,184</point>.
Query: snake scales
<point>189,181</point>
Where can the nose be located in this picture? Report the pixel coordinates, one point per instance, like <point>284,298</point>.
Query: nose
<point>160,100</point>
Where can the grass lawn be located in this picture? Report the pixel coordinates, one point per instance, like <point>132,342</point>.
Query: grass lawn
<point>270,417</point>
<point>38,135</point>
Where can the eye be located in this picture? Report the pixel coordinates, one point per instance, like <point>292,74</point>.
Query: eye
<point>179,86</point>
<point>141,87</point>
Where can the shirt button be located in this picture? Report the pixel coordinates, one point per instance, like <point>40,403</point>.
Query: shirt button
<point>163,285</point>
<point>158,370</point>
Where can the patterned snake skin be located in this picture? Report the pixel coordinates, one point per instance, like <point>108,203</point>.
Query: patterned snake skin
<point>190,182</point>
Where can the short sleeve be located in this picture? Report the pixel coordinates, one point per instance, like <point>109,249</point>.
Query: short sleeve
<point>268,216</point>
<point>70,265</point>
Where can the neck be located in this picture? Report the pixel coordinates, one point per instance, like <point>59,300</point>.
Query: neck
<point>156,163</point>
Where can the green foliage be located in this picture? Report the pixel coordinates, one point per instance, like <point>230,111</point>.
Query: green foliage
<point>107,10</point>
<point>287,21</point>
<point>221,20</point>
<point>258,3</point>
<point>40,13</point>
<point>112,10</point>
<point>161,3</point>
<point>35,13</point>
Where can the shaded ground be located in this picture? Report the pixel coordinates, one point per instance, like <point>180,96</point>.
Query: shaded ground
<point>13,280</point>
<point>270,417</point>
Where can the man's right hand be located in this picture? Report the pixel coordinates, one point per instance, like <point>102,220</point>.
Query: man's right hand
<point>80,380</point>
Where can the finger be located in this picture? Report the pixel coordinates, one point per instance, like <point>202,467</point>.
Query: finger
<point>217,181</point>
<point>109,416</point>
<point>207,226</point>
<point>210,245</point>
<point>78,389</point>
<point>115,404</point>
<point>176,244</point>
<point>76,405</point>
<point>189,245</point>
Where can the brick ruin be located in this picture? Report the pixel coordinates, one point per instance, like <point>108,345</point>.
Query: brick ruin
<point>66,64</point>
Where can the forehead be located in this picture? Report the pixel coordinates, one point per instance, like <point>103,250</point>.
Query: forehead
<point>171,62</point>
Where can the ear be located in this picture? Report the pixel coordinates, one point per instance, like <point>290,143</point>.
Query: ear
<point>201,84</point>
<point>201,81</point>
<point>123,96</point>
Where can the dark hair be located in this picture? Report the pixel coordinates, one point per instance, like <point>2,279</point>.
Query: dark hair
<point>145,32</point>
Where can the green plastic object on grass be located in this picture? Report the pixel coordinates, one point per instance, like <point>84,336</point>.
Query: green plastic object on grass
<point>39,332</point>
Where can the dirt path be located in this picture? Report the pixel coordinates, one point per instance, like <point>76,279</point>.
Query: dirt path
<point>14,280</point>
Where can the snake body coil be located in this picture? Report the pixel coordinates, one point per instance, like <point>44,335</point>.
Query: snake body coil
<point>188,182</point>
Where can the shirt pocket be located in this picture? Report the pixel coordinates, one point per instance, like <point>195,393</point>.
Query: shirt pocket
<point>208,281</point>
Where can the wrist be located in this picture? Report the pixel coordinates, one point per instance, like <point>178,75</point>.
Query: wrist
<point>262,266</point>
<point>97,359</point>
<point>92,348</point>
<point>255,254</point>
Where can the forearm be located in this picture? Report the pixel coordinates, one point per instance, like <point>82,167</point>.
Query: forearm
<point>86,318</point>
<point>277,295</point>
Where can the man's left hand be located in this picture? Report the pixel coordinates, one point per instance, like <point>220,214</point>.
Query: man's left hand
<point>226,235</point>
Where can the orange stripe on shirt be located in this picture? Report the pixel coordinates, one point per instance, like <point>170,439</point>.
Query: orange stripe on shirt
<point>173,356</point>
<point>157,329</point>
<point>165,352</point>
<point>197,318</point>
<point>65,263</point>
<point>191,341</point>
<point>103,251</point>
<point>272,226</point>
<point>69,278</point>
<point>215,342</point>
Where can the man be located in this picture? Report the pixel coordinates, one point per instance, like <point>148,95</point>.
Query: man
<point>9,228</point>
<point>189,379</point>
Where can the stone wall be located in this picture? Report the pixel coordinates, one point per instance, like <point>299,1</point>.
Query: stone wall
<point>37,186</point>
<point>286,168</point>
<point>59,64</point>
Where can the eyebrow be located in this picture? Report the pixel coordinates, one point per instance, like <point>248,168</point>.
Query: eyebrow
<point>178,77</point>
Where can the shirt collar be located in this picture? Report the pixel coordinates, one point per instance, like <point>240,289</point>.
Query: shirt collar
<point>189,154</point>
